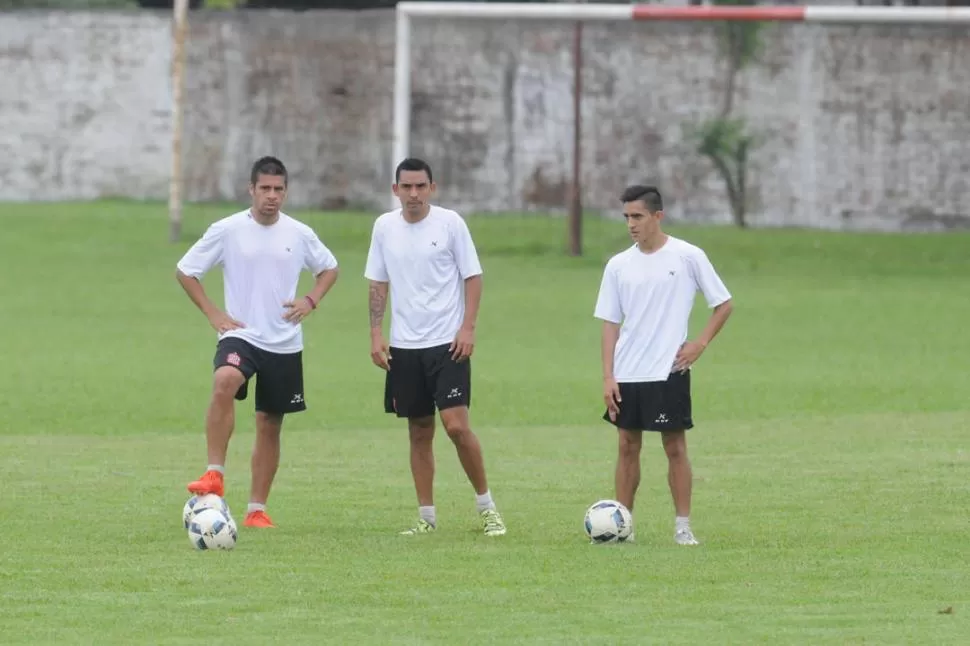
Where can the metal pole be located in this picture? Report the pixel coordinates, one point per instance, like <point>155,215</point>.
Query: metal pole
<point>180,11</point>
<point>576,197</point>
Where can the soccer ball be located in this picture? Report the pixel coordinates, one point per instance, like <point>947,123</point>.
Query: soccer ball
<point>195,504</point>
<point>210,529</point>
<point>608,521</point>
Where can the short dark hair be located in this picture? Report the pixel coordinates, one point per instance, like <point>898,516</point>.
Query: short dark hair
<point>268,166</point>
<point>413,164</point>
<point>649,195</point>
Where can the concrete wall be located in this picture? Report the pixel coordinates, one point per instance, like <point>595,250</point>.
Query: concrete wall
<point>860,127</point>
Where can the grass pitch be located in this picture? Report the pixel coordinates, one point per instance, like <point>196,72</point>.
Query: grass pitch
<point>830,455</point>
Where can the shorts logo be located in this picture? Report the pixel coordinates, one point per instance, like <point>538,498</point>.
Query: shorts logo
<point>455,392</point>
<point>662,419</point>
<point>233,359</point>
<point>297,399</point>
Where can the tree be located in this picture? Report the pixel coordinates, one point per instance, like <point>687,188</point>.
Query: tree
<point>725,139</point>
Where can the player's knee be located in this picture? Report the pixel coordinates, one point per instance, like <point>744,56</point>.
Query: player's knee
<point>675,446</point>
<point>269,423</point>
<point>457,429</point>
<point>629,444</point>
<point>226,382</point>
<point>421,430</point>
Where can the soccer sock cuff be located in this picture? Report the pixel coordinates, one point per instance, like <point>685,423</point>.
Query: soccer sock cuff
<point>484,501</point>
<point>217,467</point>
<point>682,522</point>
<point>255,506</point>
<point>427,515</point>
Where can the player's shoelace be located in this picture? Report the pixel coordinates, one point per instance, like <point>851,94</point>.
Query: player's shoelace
<point>493,522</point>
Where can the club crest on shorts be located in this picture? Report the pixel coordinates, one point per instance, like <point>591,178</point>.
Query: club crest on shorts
<point>233,359</point>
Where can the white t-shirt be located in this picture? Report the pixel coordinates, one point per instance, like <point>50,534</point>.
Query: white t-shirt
<point>426,264</point>
<point>261,270</point>
<point>651,297</point>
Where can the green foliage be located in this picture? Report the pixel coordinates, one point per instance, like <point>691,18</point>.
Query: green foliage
<point>741,40</point>
<point>727,142</point>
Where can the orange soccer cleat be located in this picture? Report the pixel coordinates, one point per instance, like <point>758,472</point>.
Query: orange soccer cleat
<point>210,482</point>
<point>258,519</point>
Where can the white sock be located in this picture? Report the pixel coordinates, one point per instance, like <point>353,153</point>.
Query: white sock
<point>484,501</point>
<point>427,515</point>
<point>217,467</point>
<point>255,506</point>
<point>682,522</point>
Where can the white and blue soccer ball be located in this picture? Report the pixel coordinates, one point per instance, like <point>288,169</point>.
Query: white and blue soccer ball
<point>211,529</point>
<point>195,504</point>
<point>608,521</point>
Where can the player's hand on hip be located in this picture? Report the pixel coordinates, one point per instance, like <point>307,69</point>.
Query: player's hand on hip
<point>380,353</point>
<point>687,355</point>
<point>297,310</point>
<point>222,323</point>
<point>463,345</point>
<point>611,396</point>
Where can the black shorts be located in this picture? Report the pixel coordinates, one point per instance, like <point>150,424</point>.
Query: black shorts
<point>655,405</point>
<point>422,379</point>
<point>279,381</point>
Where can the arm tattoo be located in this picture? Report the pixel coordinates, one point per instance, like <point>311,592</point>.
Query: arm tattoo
<point>378,302</point>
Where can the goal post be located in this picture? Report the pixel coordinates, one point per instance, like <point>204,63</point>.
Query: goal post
<point>579,13</point>
<point>180,9</point>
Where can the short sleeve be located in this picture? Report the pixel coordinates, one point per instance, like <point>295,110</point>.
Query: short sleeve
<point>317,257</point>
<point>608,307</point>
<point>375,268</point>
<point>707,279</point>
<point>466,256</point>
<point>206,253</point>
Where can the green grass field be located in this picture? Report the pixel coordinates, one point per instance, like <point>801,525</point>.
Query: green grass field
<point>830,452</point>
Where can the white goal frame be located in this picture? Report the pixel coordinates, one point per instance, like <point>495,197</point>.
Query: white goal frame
<point>574,12</point>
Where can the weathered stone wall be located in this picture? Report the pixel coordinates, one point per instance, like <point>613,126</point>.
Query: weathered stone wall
<point>860,127</point>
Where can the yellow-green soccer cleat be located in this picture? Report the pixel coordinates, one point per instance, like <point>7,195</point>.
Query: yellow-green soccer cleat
<point>492,523</point>
<point>423,527</point>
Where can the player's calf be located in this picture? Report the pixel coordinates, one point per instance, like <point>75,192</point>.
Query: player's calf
<point>627,479</point>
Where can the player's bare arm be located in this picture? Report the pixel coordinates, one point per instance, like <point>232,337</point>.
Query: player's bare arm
<point>377,304</point>
<point>691,351</point>
<point>299,309</point>
<point>219,320</point>
<point>464,344</point>
<point>611,391</point>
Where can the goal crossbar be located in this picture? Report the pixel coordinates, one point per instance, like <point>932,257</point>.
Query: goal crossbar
<point>575,12</point>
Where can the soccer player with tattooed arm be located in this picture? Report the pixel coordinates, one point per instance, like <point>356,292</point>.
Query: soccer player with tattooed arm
<point>423,258</point>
